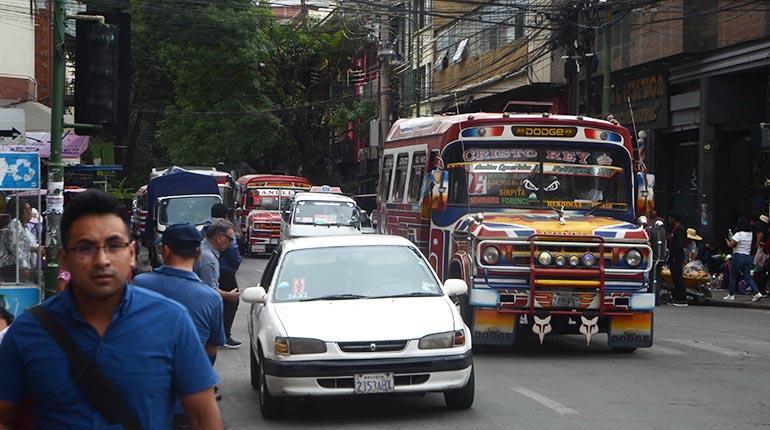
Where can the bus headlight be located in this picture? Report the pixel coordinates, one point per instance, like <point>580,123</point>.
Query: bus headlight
<point>633,258</point>
<point>574,260</point>
<point>589,260</point>
<point>544,258</point>
<point>561,260</point>
<point>490,255</point>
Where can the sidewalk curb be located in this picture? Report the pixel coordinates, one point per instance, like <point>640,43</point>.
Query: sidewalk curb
<point>763,304</point>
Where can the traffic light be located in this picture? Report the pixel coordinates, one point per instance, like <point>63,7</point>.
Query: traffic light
<point>102,74</point>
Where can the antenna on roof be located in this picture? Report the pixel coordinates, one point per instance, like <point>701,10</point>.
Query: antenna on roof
<point>524,106</point>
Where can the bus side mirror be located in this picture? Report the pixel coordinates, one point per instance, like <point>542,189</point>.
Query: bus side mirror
<point>434,192</point>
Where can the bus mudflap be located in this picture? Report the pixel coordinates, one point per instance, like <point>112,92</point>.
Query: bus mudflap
<point>630,331</point>
<point>491,327</point>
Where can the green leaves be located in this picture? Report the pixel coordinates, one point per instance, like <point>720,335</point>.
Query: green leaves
<point>224,82</point>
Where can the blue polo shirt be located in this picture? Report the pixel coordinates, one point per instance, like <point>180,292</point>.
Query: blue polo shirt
<point>202,302</point>
<point>150,350</point>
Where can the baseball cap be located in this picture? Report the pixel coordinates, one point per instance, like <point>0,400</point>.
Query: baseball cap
<point>181,236</point>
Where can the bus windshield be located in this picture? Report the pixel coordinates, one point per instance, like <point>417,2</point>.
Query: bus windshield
<point>545,174</point>
<point>268,199</point>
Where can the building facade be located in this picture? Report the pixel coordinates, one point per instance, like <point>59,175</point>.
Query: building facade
<point>17,59</point>
<point>694,76</point>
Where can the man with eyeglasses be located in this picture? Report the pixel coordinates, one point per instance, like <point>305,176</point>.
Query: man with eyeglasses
<point>142,342</point>
<point>219,236</point>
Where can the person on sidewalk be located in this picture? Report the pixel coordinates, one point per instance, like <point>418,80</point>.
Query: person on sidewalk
<point>676,258</point>
<point>146,343</point>
<point>229,262</point>
<point>692,245</point>
<point>180,247</point>
<point>740,243</point>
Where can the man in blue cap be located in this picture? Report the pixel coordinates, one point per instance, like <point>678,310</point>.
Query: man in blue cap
<point>180,247</point>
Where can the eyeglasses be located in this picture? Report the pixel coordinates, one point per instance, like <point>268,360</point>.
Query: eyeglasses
<point>89,251</point>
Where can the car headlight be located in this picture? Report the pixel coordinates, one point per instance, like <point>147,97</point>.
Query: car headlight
<point>490,255</point>
<point>589,260</point>
<point>545,258</point>
<point>633,258</point>
<point>561,260</point>
<point>574,260</point>
<point>298,345</point>
<point>442,340</point>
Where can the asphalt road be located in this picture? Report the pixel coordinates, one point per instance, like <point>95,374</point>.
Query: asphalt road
<point>709,369</point>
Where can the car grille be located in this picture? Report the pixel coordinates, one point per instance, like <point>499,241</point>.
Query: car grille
<point>376,346</point>
<point>347,382</point>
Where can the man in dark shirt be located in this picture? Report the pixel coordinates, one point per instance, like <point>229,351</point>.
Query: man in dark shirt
<point>145,343</point>
<point>177,281</point>
<point>229,262</point>
<point>676,258</point>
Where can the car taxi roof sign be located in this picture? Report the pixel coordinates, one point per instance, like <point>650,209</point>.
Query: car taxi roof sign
<point>325,189</point>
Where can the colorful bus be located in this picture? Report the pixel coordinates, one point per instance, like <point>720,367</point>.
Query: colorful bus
<point>260,200</point>
<point>535,212</point>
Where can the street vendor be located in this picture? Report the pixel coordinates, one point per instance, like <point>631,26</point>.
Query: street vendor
<point>692,245</point>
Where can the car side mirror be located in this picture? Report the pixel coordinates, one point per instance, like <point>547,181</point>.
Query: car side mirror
<point>455,287</point>
<point>254,295</point>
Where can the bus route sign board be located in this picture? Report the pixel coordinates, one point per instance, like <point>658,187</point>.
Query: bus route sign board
<point>19,171</point>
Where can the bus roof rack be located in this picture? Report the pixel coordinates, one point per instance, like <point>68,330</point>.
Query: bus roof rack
<point>524,106</point>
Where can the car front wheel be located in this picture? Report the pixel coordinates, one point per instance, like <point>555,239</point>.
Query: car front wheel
<point>268,405</point>
<point>461,398</point>
<point>253,367</point>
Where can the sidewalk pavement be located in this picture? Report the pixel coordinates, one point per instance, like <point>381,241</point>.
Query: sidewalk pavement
<point>741,301</point>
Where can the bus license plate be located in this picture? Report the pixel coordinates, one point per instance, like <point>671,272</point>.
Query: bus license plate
<point>374,383</point>
<point>565,301</point>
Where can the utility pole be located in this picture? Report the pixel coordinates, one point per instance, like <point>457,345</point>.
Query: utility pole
<point>55,195</point>
<point>606,61</point>
<point>418,56</point>
<point>384,53</point>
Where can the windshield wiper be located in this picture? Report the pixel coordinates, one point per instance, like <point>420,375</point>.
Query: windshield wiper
<point>336,297</point>
<point>413,294</point>
<point>596,206</point>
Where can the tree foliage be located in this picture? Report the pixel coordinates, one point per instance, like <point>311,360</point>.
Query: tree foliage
<point>224,82</point>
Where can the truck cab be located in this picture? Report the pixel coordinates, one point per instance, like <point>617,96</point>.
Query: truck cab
<point>177,196</point>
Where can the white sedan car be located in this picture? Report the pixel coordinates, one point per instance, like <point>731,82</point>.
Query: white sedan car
<point>356,315</point>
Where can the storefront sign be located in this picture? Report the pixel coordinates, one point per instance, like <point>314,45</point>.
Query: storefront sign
<point>649,99</point>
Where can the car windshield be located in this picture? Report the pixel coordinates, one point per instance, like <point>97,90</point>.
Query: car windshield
<point>526,176</point>
<point>195,210</point>
<point>336,273</point>
<point>326,213</point>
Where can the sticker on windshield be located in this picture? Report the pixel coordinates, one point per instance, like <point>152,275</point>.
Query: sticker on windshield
<point>298,289</point>
<point>323,219</point>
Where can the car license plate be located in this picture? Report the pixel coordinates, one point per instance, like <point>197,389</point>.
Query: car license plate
<point>257,248</point>
<point>374,383</point>
<point>565,301</point>
<point>273,241</point>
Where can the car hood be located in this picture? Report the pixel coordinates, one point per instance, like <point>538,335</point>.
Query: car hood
<point>366,320</point>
